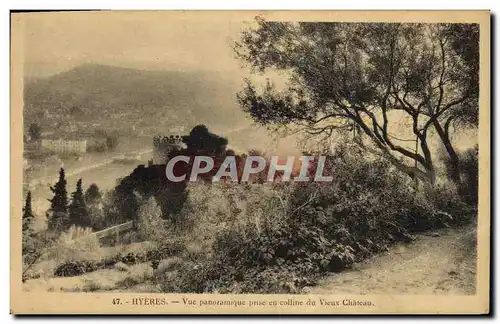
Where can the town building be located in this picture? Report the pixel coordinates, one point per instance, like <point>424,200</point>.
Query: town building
<point>63,146</point>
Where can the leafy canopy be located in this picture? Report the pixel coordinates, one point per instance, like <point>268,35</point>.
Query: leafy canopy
<point>345,74</point>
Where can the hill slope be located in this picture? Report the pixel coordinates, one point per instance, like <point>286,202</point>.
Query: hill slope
<point>103,93</point>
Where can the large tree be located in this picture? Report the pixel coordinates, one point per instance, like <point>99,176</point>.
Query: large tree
<point>58,213</point>
<point>355,75</point>
<point>78,212</point>
<point>28,219</point>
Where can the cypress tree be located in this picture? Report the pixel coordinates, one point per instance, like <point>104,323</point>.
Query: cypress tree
<point>28,219</point>
<point>78,213</point>
<point>58,212</point>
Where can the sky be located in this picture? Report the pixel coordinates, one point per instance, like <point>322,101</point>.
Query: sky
<point>55,42</point>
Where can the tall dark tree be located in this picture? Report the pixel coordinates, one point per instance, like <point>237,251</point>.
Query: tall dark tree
<point>58,212</point>
<point>111,141</point>
<point>342,75</point>
<point>93,195</point>
<point>28,219</point>
<point>201,140</point>
<point>78,212</point>
<point>35,131</point>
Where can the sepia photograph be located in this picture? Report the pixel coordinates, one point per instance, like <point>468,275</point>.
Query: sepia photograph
<point>250,162</point>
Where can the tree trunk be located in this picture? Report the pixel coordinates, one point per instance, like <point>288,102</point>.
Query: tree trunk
<point>454,161</point>
<point>427,175</point>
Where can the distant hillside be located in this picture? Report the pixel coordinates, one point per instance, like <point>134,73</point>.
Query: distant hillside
<point>121,97</point>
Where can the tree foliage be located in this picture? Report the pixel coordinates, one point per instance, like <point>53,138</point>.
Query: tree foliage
<point>58,211</point>
<point>201,140</point>
<point>78,213</point>
<point>28,219</point>
<point>111,141</point>
<point>342,75</point>
<point>35,131</point>
<point>93,195</point>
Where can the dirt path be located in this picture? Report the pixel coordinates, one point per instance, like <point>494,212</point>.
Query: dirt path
<point>442,262</point>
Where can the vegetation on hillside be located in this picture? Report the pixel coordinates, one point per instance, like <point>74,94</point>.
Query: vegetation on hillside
<point>280,237</point>
<point>129,97</point>
<point>284,241</point>
<point>351,76</point>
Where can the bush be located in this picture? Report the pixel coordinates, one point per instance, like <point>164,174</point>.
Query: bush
<point>447,199</point>
<point>75,244</point>
<point>39,243</point>
<point>150,224</point>
<point>285,240</point>
<point>75,268</point>
<point>97,146</point>
<point>111,142</point>
<point>154,256</point>
<point>164,251</point>
<point>98,219</point>
<point>103,141</point>
<point>468,167</point>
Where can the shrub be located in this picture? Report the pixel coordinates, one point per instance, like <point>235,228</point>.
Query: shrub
<point>447,199</point>
<point>92,286</point>
<point>75,268</point>
<point>97,146</point>
<point>111,141</point>
<point>98,219</point>
<point>128,282</point>
<point>164,251</point>
<point>468,167</point>
<point>75,244</point>
<point>39,244</point>
<point>287,238</point>
<point>102,141</point>
<point>150,224</point>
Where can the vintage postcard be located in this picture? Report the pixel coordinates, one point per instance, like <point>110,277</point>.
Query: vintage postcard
<point>256,162</point>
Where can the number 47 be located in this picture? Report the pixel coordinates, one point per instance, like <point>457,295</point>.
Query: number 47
<point>116,301</point>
